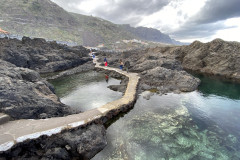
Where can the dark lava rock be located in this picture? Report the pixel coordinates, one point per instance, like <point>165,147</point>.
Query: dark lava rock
<point>42,56</point>
<point>219,58</point>
<point>86,67</point>
<point>76,144</point>
<point>119,88</point>
<point>163,78</point>
<point>161,72</point>
<point>24,95</point>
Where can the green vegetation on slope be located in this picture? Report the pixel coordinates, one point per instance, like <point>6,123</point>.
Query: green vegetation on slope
<point>45,19</point>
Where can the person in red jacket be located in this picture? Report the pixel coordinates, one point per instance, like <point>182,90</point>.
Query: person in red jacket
<point>105,62</point>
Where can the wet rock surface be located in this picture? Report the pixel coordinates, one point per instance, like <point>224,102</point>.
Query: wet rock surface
<point>77,144</point>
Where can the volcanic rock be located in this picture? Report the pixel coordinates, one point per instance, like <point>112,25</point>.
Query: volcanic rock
<point>25,95</point>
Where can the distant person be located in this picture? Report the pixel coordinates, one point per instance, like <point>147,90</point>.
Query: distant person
<point>106,77</point>
<point>105,62</point>
<point>121,65</point>
<point>93,55</point>
<point>127,65</point>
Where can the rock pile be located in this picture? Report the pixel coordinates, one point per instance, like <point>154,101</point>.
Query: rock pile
<point>218,58</point>
<point>23,93</point>
<point>42,56</point>
<point>159,72</point>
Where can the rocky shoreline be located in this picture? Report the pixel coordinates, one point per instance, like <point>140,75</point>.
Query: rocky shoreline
<point>158,72</point>
<point>164,69</point>
<point>26,95</point>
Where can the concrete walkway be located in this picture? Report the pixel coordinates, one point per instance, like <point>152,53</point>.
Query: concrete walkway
<point>13,132</point>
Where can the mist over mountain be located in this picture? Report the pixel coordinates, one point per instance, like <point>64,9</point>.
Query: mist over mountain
<point>149,34</point>
<point>45,19</point>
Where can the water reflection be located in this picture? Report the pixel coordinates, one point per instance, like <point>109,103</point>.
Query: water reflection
<point>214,86</point>
<point>199,125</point>
<point>220,110</point>
<point>162,128</point>
<point>86,91</point>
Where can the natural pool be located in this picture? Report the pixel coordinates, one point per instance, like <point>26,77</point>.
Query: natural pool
<point>85,91</point>
<point>200,125</point>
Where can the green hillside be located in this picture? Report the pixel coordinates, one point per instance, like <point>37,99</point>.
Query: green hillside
<point>45,19</point>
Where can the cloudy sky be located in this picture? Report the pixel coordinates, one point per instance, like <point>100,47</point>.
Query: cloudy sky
<point>183,20</point>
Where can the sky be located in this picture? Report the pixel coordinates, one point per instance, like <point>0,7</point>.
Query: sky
<point>182,20</point>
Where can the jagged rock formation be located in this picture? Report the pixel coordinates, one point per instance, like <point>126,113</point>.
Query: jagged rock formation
<point>218,57</point>
<point>161,68</point>
<point>23,93</point>
<point>42,56</point>
<point>159,73</point>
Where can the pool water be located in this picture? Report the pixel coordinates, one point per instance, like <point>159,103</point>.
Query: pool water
<point>85,91</point>
<point>200,125</point>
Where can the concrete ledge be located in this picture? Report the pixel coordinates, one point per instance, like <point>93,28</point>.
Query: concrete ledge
<point>16,132</point>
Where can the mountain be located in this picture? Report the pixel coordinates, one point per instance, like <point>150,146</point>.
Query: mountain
<point>149,34</point>
<point>45,19</point>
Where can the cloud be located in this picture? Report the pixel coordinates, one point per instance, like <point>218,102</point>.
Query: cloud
<point>192,31</point>
<point>212,21</point>
<point>173,15</point>
<point>217,10</point>
<point>117,11</point>
<point>184,20</point>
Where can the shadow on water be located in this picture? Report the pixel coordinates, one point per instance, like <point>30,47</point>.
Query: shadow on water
<point>213,85</point>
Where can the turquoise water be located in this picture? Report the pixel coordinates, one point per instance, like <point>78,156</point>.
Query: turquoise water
<point>200,125</point>
<point>85,91</point>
